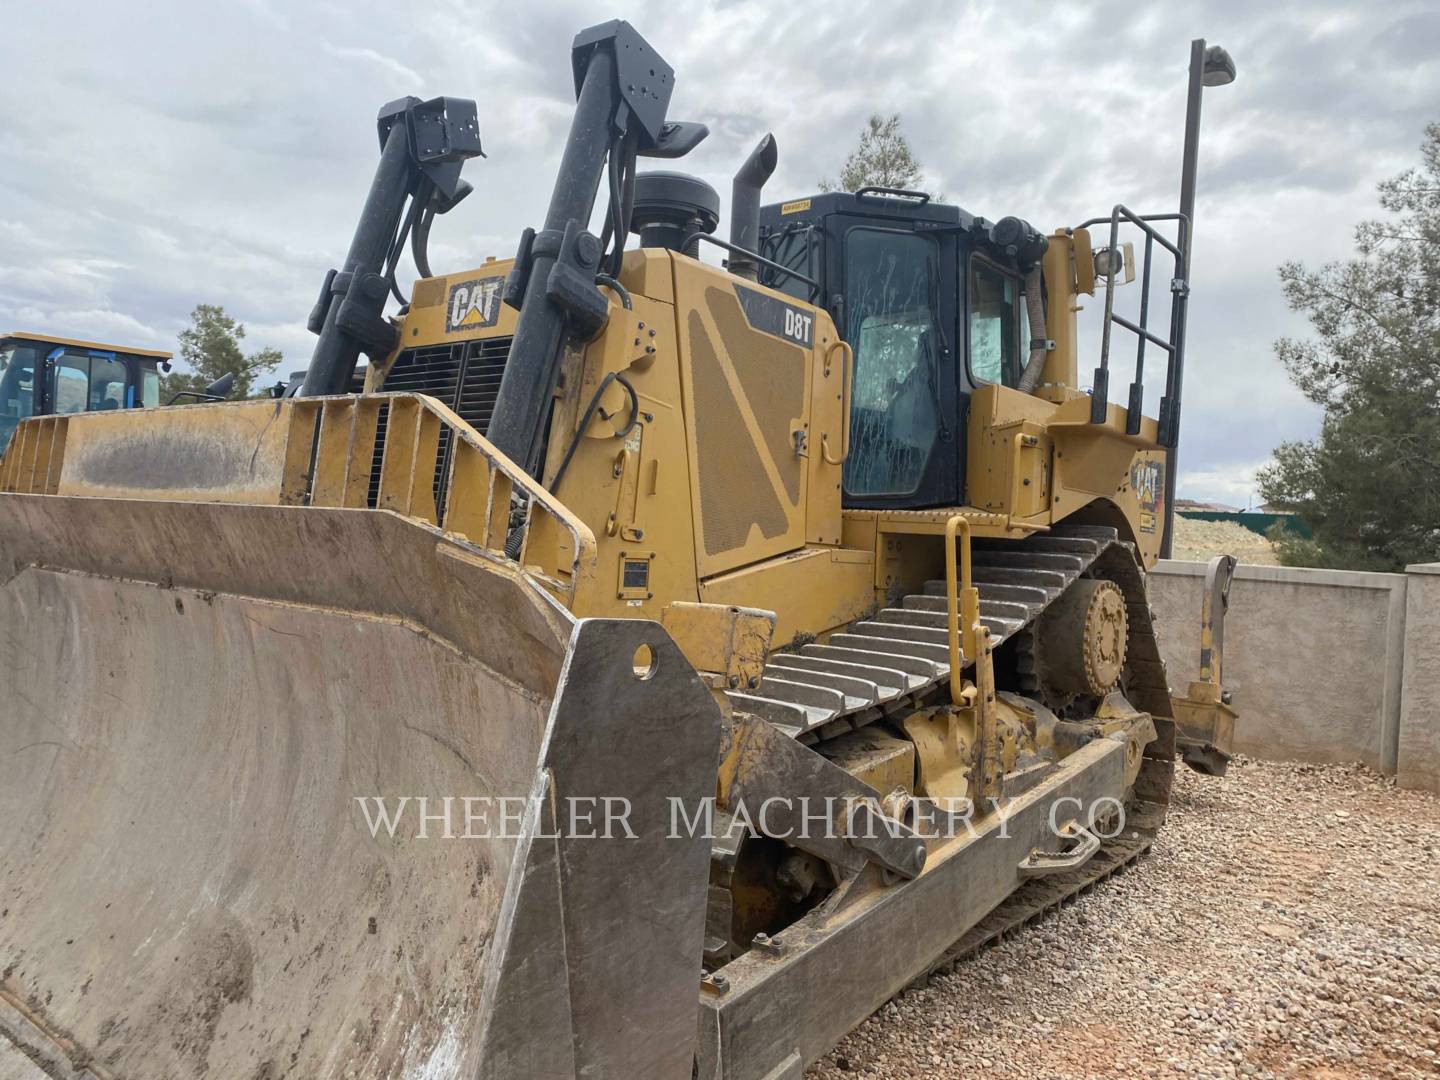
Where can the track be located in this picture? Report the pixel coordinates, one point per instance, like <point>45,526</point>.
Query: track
<point>1146,687</point>
<point>890,663</point>
<point>897,661</point>
<point>1036,899</point>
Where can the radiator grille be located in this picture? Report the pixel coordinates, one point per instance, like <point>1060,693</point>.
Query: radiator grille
<point>465,376</point>
<point>484,364</point>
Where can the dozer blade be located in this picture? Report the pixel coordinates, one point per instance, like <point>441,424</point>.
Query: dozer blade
<point>204,703</point>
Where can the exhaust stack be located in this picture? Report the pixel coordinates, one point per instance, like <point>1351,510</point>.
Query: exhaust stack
<point>745,205</point>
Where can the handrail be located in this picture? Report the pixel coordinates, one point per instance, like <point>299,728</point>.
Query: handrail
<point>899,192</point>
<point>1174,347</point>
<point>735,249</point>
<point>767,237</point>
<point>961,603</point>
<point>427,464</point>
<point>469,490</point>
<point>1142,221</point>
<point>847,388</point>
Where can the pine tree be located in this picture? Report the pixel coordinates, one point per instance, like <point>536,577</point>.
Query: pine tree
<point>210,345</point>
<point>883,159</point>
<point>1369,485</point>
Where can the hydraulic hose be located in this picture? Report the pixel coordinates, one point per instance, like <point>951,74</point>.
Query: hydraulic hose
<point>1035,310</point>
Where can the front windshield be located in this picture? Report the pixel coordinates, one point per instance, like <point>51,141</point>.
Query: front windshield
<point>889,282</point>
<point>17,386</point>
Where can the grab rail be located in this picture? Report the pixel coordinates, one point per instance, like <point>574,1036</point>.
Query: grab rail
<point>406,453</point>
<point>1174,345</point>
<point>847,388</point>
<point>468,488</point>
<point>962,608</point>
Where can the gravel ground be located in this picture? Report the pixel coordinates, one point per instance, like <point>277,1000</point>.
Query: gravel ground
<point>1198,540</point>
<point>1287,924</point>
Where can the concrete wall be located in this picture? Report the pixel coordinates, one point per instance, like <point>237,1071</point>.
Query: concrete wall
<point>1325,665</point>
<point>1419,748</point>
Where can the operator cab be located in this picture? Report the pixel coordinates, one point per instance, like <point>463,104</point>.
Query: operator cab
<point>42,375</point>
<point>914,286</point>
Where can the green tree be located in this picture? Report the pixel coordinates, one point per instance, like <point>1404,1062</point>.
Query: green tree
<point>1369,486</point>
<point>210,345</point>
<point>883,159</point>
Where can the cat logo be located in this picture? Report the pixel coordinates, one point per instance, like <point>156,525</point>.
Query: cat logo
<point>1147,478</point>
<point>474,304</point>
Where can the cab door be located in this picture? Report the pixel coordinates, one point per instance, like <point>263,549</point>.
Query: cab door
<point>67,381</point>
<point>88,380</point>
<point>19,389</point>
<point>896,309</point>
<point>144,389</point>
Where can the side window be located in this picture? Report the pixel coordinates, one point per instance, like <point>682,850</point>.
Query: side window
<point>149,386</point>
<point>890,278</point>
<point>17,387</point>
<point>107,384</point>
<point>797,248</point>
<point>994,324</point>
<point>69,383</point>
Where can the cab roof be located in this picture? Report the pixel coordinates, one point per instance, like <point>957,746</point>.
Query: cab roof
<point>873,202</point>
<point>50,339</point>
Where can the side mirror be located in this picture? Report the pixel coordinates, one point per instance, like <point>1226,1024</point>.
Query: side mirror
<point>216,391</point>
<point>677,138</point>
<point>220,388</point>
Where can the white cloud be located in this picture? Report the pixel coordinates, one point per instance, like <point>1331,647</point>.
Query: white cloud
<point>226,159</point>
<point>1233,485</point>
<point>401,73</point>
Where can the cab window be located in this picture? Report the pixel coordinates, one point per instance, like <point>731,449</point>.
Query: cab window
<point>149,386</point>
<point>107,384</point>
<point>17,386</point>
<point>994,324</point>
<point>795,247</point>
<point>69,382</point>
<point>890,282</point>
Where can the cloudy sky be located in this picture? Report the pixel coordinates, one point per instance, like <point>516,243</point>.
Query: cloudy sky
<point>162,154</point>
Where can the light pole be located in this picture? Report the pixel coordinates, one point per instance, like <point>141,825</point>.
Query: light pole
<point>1209,66</point>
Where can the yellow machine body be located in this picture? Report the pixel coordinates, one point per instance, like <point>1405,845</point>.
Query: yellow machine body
<point>727,486</point>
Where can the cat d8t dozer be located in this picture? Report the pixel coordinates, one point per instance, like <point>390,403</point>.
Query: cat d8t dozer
<point>657,667</point>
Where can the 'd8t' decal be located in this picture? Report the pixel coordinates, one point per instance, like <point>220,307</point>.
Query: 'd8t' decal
<point>770,315</point>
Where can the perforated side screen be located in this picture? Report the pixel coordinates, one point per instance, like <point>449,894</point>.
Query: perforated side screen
<point>773,375</point>
<point>734,491</point>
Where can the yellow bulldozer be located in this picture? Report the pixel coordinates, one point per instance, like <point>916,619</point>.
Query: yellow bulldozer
<point>658,666</point>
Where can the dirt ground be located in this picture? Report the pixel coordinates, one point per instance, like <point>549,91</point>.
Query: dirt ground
<point>1199,540</point>
<point>1287,925</point>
